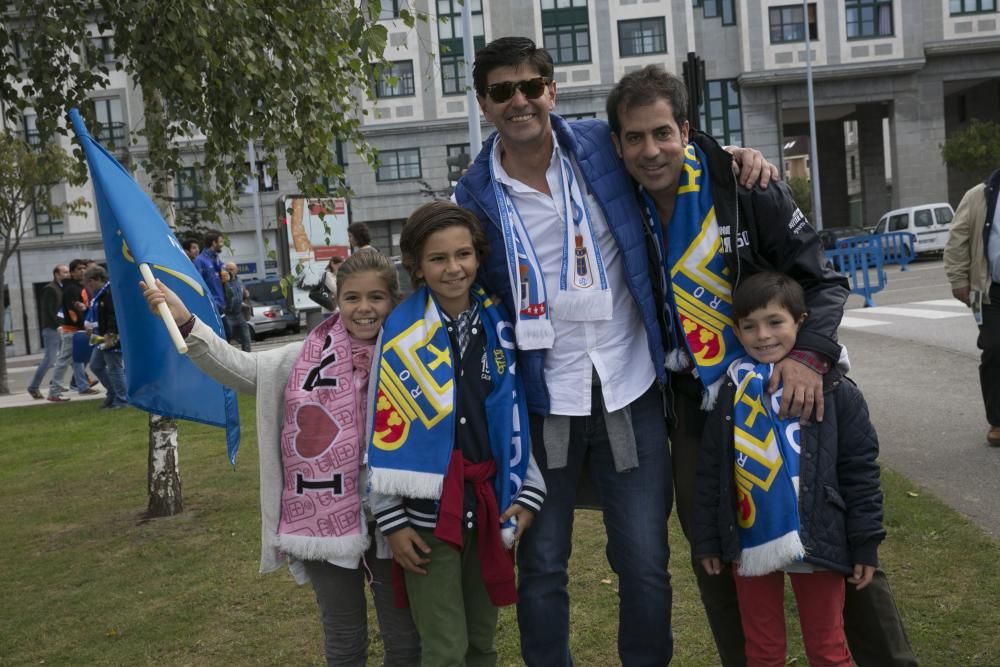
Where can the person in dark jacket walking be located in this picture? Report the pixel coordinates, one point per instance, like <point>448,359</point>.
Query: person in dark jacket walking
<point>106,360</point>
<point>712,234</point>
<point>51,340</point>
<point>775,496</point>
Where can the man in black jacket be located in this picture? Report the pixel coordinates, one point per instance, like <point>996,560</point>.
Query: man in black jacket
<point>49,315</point>
<point>71,311</point>
<point>752,230</point>
<point>106,359</point>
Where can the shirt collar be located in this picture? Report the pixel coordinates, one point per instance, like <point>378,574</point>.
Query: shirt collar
<point>514,184</point>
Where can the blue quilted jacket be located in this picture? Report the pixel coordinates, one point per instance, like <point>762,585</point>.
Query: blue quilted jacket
<point>589,141</point>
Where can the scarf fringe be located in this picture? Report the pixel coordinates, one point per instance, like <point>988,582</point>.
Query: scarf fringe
<point>507,533</point>
<point>678,360</point>
<point>308,547</point>
<point>579,306</point>
<point>406,483</point>
<point>534,334</point>
<point>711,394</point>
<point>771,556</point>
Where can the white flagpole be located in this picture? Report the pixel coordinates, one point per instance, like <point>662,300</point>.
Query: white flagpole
<point>164,312</point>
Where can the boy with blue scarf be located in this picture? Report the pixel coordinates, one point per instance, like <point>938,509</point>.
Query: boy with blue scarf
<point>774,496</point>
<point>450,468</point>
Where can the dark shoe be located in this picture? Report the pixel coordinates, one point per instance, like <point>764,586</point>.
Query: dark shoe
<point>117,406</point>
<point>993,436</point>
<point>89,392</point>
<point>35,394</point>
<point>92,381</point>
<point>57,398</point>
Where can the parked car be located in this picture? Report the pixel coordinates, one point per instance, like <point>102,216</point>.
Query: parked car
<point>829,236</point>
<point>927,222</point>
<point>271,313</point>
<point>271,318</point>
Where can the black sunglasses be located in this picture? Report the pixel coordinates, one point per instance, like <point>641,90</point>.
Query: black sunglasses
<point>532,89</point>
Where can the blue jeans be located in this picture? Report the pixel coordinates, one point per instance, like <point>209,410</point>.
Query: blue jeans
<point>51,342</point>
<point>63,361</point>
<point>636,504</point>
<point>109,367</point>
<point>239,330</point>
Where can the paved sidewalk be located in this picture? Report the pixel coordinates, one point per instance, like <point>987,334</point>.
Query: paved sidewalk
<point>19,372</point>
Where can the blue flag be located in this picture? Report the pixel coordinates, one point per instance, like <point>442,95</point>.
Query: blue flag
<point>158,378</point>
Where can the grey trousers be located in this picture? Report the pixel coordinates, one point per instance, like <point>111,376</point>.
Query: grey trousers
<point>343,608</point>
<point>874,629</point>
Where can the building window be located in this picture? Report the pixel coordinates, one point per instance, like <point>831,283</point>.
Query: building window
<point>398,165</point>
<point>395,79</point>
<point>957,7</point>
<point>450,42</point>
<point>44,224</point>
<point>390,9</point>
<point>31,130</point>
<point>786,24</point>
<point>720,113</point>
<point>566,31</point>
<point>716,8</point>
<point>22,53</point>
<point>854,168</point>
<point>265,181</point>
<point>103,50</point>
<point>111,130</point>
<point>868,18</point>
<point>642,37</point>
<point>187,188</point>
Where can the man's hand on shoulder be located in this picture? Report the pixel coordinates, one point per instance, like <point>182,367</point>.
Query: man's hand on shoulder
<point>802,390</point>
<point>751,168</point>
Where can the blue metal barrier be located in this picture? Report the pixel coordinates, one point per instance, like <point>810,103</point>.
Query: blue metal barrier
<point>856,257</point>
<point>897,247</point>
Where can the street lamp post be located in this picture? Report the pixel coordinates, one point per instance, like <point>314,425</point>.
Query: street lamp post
<point>813,162</point>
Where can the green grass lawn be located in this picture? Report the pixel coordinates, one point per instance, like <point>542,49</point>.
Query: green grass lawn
<point>86,581</point>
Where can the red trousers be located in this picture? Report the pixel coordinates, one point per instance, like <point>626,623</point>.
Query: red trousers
<point>820,599</point>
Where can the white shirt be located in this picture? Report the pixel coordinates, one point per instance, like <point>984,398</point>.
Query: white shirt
<point>993,259</point>
<point>618,347</point>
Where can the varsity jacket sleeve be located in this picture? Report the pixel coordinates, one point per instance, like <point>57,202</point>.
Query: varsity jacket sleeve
<point>787,242</point>
<point>532,493</point>
<point>389,511</point>
<point>957,251</point>
<point>858,474</point>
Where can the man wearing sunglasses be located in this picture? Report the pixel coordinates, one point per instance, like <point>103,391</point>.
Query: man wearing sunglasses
<point>570,261</point>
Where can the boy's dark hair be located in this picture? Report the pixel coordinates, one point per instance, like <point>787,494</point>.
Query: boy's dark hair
<point>188,242</point>
<point>644,87</point>
<point>359,231</point>
<point>211,237</point>
<point>761,289</point>
<point>361,262</point>
<point>77,263</point>
<point>431,218</point>
<point>509,52</point>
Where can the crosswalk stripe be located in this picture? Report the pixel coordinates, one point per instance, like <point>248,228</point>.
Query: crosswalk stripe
<point>949,303</point>
<point>859,322</point>
<point>919,313</point>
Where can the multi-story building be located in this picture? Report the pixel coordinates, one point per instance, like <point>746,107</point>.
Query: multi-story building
<point>892,80</point>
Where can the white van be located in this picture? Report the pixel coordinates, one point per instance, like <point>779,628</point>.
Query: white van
<point>927,222</point>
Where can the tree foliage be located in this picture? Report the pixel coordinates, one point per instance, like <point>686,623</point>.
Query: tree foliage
<point>26,175</point>
<point>215,74</point>
<point>974,150</point>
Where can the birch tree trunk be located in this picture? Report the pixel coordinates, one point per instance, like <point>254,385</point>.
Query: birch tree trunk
<point>165,498</point>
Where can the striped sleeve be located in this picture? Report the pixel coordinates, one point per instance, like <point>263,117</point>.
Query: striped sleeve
<point>391,518</point>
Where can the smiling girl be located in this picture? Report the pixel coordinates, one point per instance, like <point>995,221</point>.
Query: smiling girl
<point>311,416</point>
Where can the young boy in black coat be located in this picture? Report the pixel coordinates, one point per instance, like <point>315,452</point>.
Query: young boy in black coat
<point>774,497</point>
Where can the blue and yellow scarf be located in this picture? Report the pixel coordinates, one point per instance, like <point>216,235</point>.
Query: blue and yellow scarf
<point>700,288</point>
<point>767,473</point>
<point>413,434</point>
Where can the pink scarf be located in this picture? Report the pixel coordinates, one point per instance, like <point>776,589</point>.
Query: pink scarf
<point>321,440</point>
